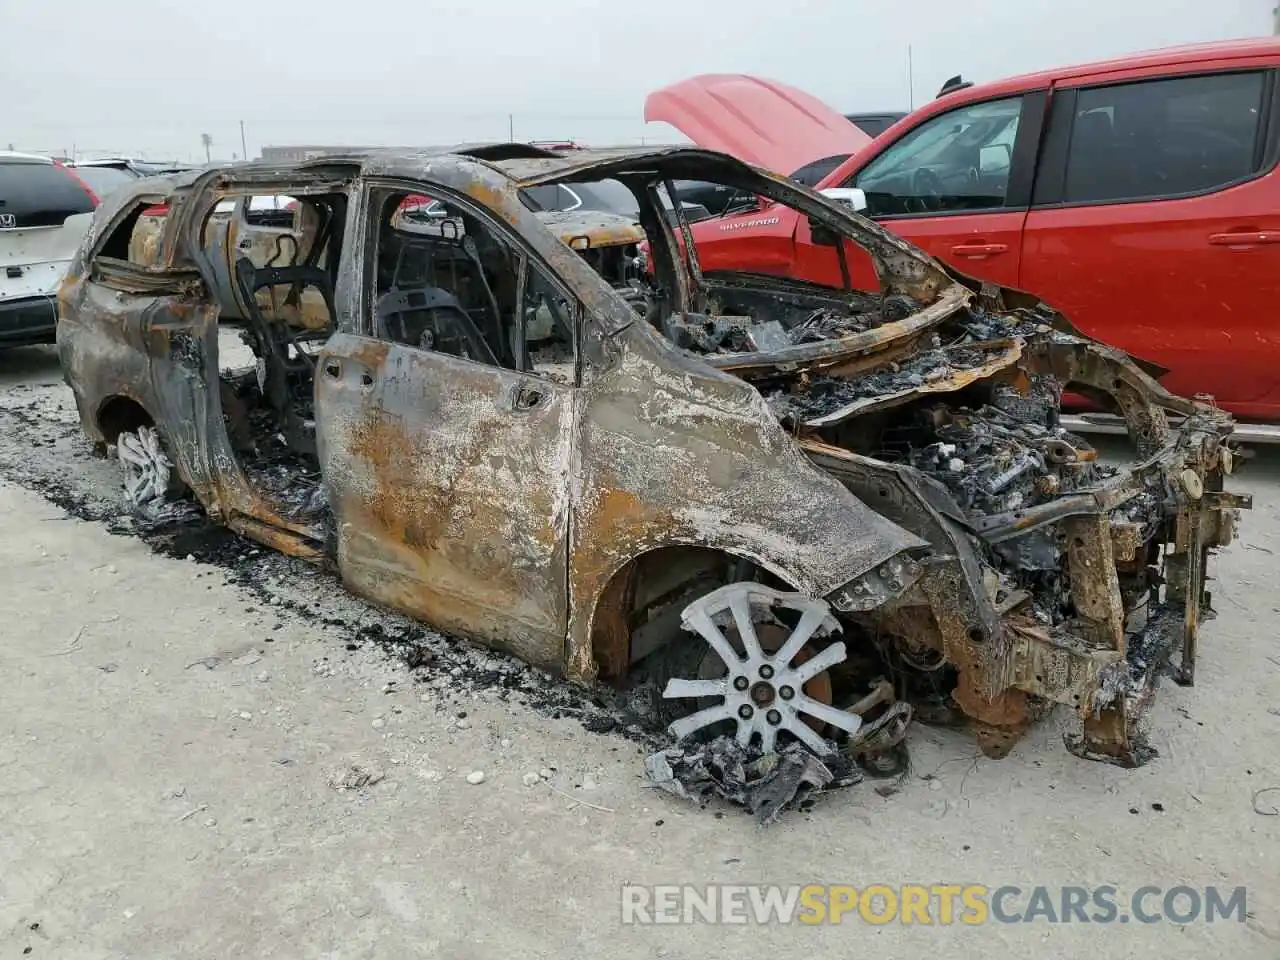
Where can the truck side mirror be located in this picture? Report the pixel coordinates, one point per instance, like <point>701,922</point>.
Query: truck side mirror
<point>849,196</point>
<point>994,157</point>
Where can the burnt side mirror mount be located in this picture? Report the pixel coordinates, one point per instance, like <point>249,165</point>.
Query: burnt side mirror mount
<point>821,235</point>
<point>851,198</point>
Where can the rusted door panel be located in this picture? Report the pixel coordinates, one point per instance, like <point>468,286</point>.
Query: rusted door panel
<point>101,347</point>
<point>180,342</point>
<point>449,485</point>
<point>152,348</point>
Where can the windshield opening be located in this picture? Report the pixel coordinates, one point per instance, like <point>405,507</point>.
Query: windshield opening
<point>707,304</point>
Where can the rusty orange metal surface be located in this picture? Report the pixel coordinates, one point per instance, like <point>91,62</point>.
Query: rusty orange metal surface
<point>509,507</point>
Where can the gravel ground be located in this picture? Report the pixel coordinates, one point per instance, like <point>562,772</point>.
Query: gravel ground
<point>208,750</point>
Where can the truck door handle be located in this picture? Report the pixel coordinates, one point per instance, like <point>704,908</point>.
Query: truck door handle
<point>979,249</point>
<point>1244,238</point>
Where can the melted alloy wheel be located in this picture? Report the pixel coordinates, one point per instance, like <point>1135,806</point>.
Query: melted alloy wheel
<point>764,692</point>
<point>147,470</point>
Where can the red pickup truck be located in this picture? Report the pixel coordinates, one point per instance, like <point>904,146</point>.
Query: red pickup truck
<point>1139,196</point>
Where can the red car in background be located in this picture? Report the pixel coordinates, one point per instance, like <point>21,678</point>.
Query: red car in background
<point>1138,196</point>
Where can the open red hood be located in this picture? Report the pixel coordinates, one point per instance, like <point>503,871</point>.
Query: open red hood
<point>760,121</point>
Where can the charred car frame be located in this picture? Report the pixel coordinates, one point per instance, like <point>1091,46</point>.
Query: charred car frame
<point>690,480</point>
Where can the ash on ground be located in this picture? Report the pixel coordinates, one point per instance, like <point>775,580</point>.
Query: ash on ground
<point>42,449</point>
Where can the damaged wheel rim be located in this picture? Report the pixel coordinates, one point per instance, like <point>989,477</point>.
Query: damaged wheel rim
<point>147,471</point>
<point>763,692</point>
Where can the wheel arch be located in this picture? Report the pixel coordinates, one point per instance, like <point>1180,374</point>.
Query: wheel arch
<point>119,413</point>
<point>635,586</point>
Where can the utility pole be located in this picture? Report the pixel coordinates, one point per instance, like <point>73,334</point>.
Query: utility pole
<point>1275,20</point>
<point>911,81</point>
<point>511,127</point>
<point>244,151</point>
<point>206,141</point>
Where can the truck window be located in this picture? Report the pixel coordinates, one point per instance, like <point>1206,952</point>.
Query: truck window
<point>956,162</point>
<point>812,174</point>
<point>1163,138</point>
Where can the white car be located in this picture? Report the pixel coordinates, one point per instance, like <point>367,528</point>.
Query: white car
<point>45,210</point>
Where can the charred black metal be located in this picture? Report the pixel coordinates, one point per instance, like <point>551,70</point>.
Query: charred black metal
<point>764,786</point>
<point>416,394</point>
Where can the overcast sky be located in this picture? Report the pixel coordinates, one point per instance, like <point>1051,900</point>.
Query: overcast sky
<point>136,76</point>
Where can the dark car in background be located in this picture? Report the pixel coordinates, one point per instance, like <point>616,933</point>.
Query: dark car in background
<point>607,196</point>
<point>105,175</point>
<point>874,124</point>
<point>45,209</point>
<point>135,168</point>
<point>102,180</point>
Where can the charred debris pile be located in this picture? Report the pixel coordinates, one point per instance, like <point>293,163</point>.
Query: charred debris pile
<point>953,405</point>
<point>273,434</point>
<point>943,406</point>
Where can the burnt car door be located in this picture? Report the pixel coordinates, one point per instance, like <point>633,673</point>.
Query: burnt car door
<point>444,431</point>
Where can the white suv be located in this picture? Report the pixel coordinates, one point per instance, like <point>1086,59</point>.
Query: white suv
<point>45,211</point>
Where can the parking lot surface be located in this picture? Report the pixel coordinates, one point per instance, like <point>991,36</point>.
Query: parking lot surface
<point>207,750</point>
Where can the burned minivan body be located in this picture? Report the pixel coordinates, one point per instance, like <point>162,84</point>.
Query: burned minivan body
<point>695,478</point>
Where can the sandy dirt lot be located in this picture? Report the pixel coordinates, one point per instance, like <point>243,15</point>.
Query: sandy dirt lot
<point>185,725</point>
